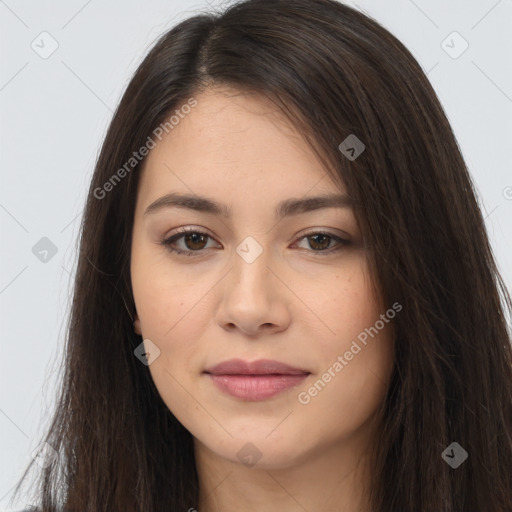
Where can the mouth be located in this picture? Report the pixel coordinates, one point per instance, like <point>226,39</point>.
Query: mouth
<point>258,380</point>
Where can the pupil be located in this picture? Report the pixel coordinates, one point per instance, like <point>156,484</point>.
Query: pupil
<point>325,237</point>
<point>194,237</point>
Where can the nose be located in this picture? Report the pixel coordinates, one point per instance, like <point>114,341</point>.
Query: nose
<point>255,299</point>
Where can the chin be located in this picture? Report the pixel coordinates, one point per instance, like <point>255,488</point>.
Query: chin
<point>258,451</point>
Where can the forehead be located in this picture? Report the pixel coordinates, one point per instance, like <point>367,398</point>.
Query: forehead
<point>233,139</point>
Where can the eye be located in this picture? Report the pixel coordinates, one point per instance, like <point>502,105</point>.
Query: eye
<point>196,241</point>
<point>320,242</point>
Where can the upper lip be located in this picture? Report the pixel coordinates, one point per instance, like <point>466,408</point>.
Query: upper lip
<point>260,367</point>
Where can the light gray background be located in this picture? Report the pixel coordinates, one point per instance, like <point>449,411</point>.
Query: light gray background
<point>54,114</point>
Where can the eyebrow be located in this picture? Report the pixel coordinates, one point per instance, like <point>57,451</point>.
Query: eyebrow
<point>285,208</point>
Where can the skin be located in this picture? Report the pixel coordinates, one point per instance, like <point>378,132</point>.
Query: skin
<point>291,304</point>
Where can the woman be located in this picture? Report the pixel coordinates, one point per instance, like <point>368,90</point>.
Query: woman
<point>285,295</point>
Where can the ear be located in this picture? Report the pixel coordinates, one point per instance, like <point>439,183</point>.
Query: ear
<point>136,325</point>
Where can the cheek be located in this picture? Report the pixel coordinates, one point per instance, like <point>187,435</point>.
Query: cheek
<point>168,301</point>
<point>346,307</point>
<point>357,334</point>
<point>172,319</point>
<point>346,392</point>
<point>172,316</point>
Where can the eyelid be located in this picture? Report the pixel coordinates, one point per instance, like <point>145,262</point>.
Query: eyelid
<point>192,228</point>
<point>327,231</point>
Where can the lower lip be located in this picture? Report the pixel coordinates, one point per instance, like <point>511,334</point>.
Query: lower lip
<point>256,387</point>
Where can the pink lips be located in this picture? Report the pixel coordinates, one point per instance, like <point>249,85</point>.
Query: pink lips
<point>255,380</point>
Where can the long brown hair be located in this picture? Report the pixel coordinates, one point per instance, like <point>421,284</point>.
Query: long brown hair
<point>334,72</point>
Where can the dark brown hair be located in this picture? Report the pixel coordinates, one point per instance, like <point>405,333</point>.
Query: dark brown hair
<point>334,72</point>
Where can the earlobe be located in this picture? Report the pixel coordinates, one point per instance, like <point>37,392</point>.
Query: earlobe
<point>136,325</point>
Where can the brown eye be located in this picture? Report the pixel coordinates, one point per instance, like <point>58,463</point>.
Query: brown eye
<point>319,241</point>
<point>195,241</point>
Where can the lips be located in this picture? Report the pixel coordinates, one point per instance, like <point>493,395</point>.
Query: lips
<point>260,367</point>
<point>257,380</point>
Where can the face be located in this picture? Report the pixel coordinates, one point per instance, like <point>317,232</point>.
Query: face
<point>253,285</point>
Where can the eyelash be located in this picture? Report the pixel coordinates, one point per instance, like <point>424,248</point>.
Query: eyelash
<point>167,242</point>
